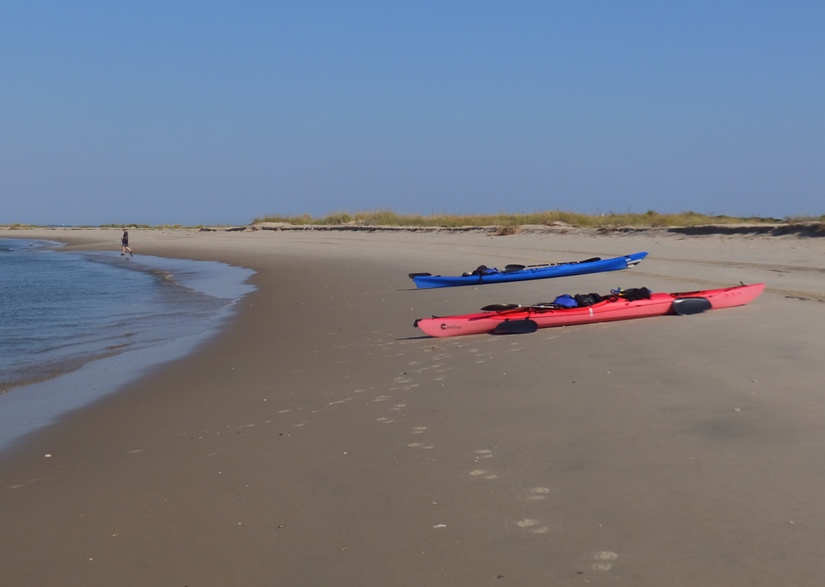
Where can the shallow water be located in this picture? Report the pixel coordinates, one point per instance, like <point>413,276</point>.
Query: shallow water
<point>63,312</point>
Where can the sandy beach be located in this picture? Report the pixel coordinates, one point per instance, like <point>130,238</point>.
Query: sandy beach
<point>321,439</point>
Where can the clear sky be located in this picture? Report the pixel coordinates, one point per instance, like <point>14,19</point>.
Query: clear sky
<point>218,112</point>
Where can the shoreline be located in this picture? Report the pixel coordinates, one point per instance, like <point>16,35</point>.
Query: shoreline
<point>40,401</point>
<point>321,439</point>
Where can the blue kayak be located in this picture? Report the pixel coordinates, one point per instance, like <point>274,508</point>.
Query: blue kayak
<point>484,275</point>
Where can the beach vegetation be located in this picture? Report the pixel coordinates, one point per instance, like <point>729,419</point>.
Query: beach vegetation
<point>508,223</point>
<point>133,226</point>
<point>124,225</point>
<point>504,223</point>
<point>805,219</point>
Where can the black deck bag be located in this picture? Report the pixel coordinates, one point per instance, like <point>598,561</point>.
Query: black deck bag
<point>636,293</point>
<point>588,299</point>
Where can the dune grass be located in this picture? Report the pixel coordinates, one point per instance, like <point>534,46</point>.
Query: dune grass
<point>504,222</point>
<point>649,219</point>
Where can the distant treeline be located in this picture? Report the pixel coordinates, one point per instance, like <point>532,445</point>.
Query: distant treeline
<point>648,219</point>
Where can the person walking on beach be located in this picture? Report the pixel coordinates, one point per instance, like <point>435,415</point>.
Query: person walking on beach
<point>124,243</point>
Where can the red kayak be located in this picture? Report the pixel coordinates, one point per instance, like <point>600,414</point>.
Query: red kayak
<point>619,305</point>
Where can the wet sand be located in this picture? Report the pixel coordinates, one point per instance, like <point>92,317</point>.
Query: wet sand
<point>322,440</point>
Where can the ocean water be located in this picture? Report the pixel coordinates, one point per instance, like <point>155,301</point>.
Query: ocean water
<point>63,313</point>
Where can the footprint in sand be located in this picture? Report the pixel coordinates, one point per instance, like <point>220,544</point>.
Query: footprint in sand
<point>538,493</point>
<point>533,526</point>
<point>483,474</point>
<point>604,560</point>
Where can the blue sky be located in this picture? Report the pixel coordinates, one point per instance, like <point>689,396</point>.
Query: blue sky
<point>179,112</point>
